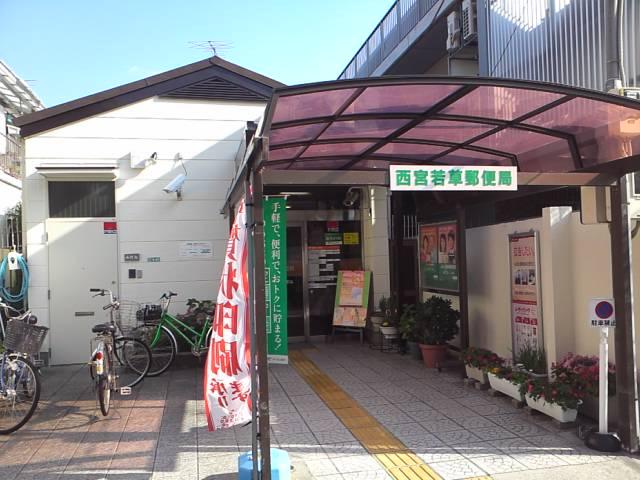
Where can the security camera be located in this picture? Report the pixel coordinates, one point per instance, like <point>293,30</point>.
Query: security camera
<point>351,197</point>
<point>175,185</point>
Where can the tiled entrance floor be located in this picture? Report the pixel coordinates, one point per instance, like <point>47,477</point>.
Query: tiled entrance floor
<point>160,432</point>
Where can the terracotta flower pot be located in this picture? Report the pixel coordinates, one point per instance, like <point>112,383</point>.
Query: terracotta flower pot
<point>433,355</point>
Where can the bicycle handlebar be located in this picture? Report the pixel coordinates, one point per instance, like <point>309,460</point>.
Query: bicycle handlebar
<point>113,302</point>
<point>168,295</point>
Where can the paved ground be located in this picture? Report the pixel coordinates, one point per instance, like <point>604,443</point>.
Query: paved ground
<point>160,432</point>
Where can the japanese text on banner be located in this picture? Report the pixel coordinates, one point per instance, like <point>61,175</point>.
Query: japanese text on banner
<point>227,382</point>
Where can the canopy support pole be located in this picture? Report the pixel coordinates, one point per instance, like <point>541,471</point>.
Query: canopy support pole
<point>462,277</point>
<point>261,333</point>
<point>396,249</point>
<point>626,371</point>
<point>252,320</point>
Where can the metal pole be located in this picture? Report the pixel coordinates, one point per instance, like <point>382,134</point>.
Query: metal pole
<point>252,318</point>
<point>611,39</point>
<point>626,371</point>
<point>462,277</point>
<point>261,327</point>
<point>396,244</point>
<point>603,383</point>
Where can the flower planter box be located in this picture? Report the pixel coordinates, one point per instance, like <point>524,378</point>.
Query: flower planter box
<point>476,374</point>
<point>503,385</point>
<point>552,410</point>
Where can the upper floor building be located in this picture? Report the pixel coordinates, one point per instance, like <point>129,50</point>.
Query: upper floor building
<point>16,98</point>
<point>560,41</point>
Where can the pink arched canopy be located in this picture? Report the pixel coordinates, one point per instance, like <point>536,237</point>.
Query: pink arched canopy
<point>369,124</point>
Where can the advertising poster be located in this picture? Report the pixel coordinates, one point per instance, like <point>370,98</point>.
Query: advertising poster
<point>275,263</point>
<point>438,256</point>
<point>447,264</point>
<point>526,324</point>
<point>352,298</point>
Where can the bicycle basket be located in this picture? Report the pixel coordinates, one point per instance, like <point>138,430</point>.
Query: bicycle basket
<point>126,317</point>
<point>24,338</point>
<point>150,313</point>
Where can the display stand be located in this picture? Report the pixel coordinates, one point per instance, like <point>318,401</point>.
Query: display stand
<point>339,328</point>
<point>352,299</point>
<point>388,343</point>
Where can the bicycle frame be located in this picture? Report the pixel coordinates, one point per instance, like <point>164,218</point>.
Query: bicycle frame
<point>176,326</point>
<point>5,357</point>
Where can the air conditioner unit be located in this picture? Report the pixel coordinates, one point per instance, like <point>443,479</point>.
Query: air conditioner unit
<point>453,31</point>
<point>630,92</point>
<point>469,25</point>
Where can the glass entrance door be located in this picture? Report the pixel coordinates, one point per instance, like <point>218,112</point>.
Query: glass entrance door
<point>295,281</point>
<point>331,246</point>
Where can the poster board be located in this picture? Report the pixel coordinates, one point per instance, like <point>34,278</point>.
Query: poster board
<point>352,298</point>
<point>437,250</point>
<point>526,304</point>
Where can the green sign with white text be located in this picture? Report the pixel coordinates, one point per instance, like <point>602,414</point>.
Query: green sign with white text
<point>275,267</point>
<point>448,178</point>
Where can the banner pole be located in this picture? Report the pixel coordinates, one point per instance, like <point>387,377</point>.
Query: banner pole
<point>252,316</point>
<point>261,327</point>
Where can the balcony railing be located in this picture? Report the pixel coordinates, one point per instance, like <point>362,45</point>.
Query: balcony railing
<point>11,155</point>
<point>401,18</point>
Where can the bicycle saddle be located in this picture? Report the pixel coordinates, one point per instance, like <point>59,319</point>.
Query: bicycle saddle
<point>103,328</point>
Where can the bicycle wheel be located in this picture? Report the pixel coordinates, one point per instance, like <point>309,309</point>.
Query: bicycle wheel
<point>103,383</point>
<point>163,345</point>
<point>19,392</point>
<point>132,361</point>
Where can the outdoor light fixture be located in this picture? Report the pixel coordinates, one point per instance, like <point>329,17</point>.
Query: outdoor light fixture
<point>295,193</point>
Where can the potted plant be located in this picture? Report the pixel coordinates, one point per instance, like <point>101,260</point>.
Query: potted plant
<point>584,372</point>
<point>388,327</point>
<point>508,381</point>
<point>436,324</point>
<point>533,361</point>
<point>557,399</point>
<point>477,361</point>
<point>407,328</point>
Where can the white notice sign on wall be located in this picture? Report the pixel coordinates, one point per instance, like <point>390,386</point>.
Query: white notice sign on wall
<point>196,250</point>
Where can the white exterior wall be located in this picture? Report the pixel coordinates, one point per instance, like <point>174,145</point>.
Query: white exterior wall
<point>206,134</point>
<point>10,196</point>
<point>575,266</point>
<point>375,230</point>
<point>10,192</point>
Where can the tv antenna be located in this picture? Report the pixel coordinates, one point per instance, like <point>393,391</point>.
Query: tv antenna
<point>212,46</point>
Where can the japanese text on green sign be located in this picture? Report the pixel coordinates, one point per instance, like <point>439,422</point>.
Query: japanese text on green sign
<point>414,177</point>
<point>275,259</point>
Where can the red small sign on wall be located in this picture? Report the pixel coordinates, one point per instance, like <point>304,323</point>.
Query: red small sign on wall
<point>110,228</point>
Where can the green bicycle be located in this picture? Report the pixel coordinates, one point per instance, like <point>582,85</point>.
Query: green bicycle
<point>159,332</point>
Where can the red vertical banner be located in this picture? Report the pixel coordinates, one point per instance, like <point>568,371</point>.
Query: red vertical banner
<point>227,377</point>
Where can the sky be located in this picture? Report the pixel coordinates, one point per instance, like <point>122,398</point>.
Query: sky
<point>67,49</point>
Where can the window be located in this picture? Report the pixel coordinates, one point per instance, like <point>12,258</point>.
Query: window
<point>82,199</point>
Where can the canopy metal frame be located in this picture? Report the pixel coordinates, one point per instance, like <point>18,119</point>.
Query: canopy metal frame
<point>258,171</point>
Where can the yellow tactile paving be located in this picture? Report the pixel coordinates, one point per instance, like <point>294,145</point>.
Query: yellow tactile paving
<point>393,455</point>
